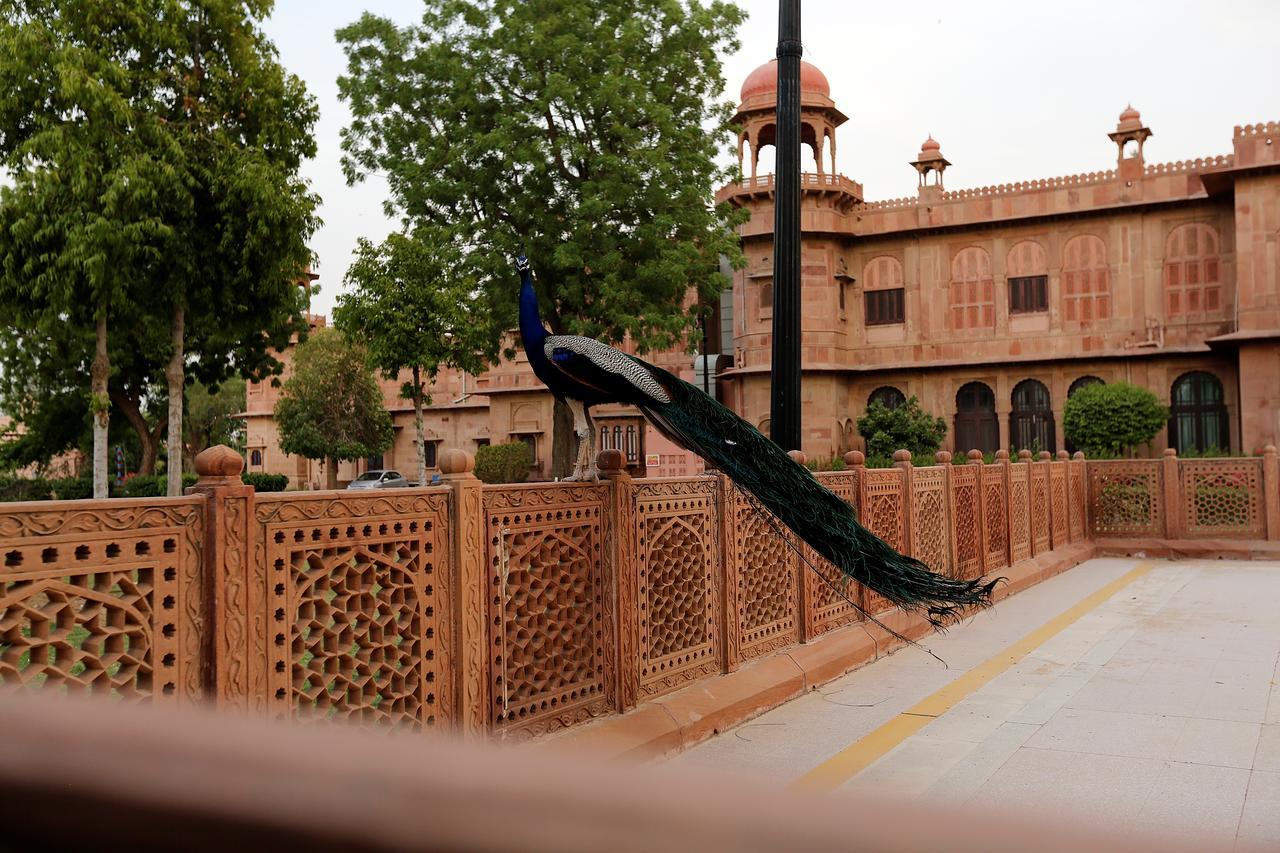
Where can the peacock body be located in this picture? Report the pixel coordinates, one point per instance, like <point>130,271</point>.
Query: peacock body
<point>584,372</point>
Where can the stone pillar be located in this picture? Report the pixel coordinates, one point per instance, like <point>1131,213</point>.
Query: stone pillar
<point>1002,459</point>
<point>470,579</point>
<point>974,457</point>
<point>621,554</point>
<point>1271,490</point>
<point>943,459</point>
<point>236,674</point>
<point>902,460</point>
<point>1171,495</point>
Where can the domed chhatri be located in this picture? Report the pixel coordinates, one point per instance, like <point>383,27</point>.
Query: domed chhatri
<point>764,81</point>
<point>1130,115</point>
<point>931,144</point>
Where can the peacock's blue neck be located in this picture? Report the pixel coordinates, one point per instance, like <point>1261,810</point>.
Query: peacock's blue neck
<point>532,332</point>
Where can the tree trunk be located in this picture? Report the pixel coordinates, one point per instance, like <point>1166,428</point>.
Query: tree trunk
<point>420,430</point>
<point>174,374</point>
<point>131,408</point>
<point>101,410</point>
<point>564,444</point>
<point>331,473</point>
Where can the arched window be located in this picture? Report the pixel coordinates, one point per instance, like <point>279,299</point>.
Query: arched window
<point>1192,270</point>
<point>882,291</point>
<point>1086,280</point>
<point>1083,382</point>
<point>887,396</point>
<point>973,304</point>
<point>1031,421</point>
<point>976,423</point>
<point>255,458</point>
<point>1027,270</point>
<point>633,445</point>
<point>1198,414</point>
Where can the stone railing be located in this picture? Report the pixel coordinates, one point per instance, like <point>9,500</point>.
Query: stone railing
<point>493,610</point>
<point>1177,499</point>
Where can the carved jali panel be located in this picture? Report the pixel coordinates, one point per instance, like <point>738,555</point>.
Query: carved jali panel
<point>966,520</point>
<point>1040,510</point>
<point>1126,497</point>
<point>1019,512</point>
<point>995,517</point>
<point>1223,497</point>
<point>930,525</point>
<point>104,598</point>
<point>358,616</point>
<point>550,607</point>
<point>764,568</point>
<point>679,582</point>
<point>1079,500</point>
<point>827,590</point>
<point>883,513</point>
<point>1058,503</point>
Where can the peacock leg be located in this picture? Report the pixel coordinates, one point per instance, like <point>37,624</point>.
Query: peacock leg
<point>593,472</point>
<point>582,429</point>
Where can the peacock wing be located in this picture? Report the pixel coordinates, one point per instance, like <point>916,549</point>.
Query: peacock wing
<point>616,375</point>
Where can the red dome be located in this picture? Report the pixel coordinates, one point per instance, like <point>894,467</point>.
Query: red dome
<point>931,144</point>
<point>1130,114</point>
<point>764,81</point>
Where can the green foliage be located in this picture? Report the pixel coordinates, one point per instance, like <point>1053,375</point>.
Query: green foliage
<point>24,488</point>
<point>152,485</point>
<point>1112,419</point>
<point>1210,453</point>
<point>265,482</point>
<point>72,488</point>
<point>504,463</point>
<point>826,463</point>
<point>331,408</point>
<point>209,416</point>
<point>907,427</point>
<point>153,152</point>
<point>584,134</point>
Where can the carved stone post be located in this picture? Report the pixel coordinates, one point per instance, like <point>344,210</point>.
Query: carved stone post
<point>1271,490</point>
<point>902,459</point>
<point>732,566</point>
<point>621,551</point>
<point>1083,508</point>
<point>974,457</point>
<point>1002,458</point>
<point>803,582</point>
<point>471,659</point>
<point>1171,495</point>
<point>235,653</point>
<point>943,459</point>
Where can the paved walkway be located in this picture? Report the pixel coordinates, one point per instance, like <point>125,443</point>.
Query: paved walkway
<point>1140,693</point>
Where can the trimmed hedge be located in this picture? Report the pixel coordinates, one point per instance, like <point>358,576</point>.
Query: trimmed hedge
<point>265,482</point>
<point>153,485</point>
<point>72,488</point>
<point>24,488</point>
<point>504,463</point>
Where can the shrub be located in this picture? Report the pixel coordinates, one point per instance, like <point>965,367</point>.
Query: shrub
<point>504,463</point>
<point>152,485</point>
<point>1112,419</point>
<point>24,488</point>
<point>906,427</point>
<point>72,488</point>
<point>826,463</point>
<point>265,482</point>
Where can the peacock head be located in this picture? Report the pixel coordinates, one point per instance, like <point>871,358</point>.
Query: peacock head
<point>522,264</point>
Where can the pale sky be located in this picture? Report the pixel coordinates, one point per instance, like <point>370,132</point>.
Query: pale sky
<point>1012,90</point>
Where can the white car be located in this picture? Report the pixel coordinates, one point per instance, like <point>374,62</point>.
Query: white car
<point>379,480</point>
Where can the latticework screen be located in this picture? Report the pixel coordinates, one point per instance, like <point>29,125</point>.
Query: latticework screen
<point>766,581</point>
<point>930,524</point>
<point>884,514</point>
<point>1019,512</point>
<point>966,520</point>
<point>357,606</point>
<point>1126,497</point>
<point>104,598</point>
<point>1223,497</point>
<point>1040,507</point>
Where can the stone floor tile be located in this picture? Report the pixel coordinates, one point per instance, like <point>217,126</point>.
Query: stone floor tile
<point>911,768</point>
<point>962,780</point>
<point>1225,743</point>
<point>1267,756</point>
<point>1197,802</point>
<point>1260,822</point>
<point>1110,733</point>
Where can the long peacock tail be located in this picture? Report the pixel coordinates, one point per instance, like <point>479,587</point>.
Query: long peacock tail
<point>817,515</point>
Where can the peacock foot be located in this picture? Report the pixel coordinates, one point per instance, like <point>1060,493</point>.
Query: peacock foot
<point>590,475</point>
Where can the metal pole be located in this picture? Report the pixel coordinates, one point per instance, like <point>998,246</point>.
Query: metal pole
<point>784,411</point>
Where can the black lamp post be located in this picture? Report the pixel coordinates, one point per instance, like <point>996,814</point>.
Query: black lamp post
<point>784,409</point>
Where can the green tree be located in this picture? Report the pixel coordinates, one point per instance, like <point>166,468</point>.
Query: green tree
<point>1108,420</point>
<point>211,417</point>
<point>413,306</point>
<point>504,463</point>
<point>154,147</point>
<point>906,427</point>
<point>584,133</point>
<point>331,407</point>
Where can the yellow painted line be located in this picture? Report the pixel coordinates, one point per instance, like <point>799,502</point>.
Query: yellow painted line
<point>860,754</point>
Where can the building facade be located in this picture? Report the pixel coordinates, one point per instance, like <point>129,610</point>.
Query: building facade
<point>991,305</point>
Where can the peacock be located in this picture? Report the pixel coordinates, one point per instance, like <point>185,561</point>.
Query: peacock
<point>584,372</point>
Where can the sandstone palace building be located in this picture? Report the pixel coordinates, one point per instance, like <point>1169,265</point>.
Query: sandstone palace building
<point>992,305</point>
